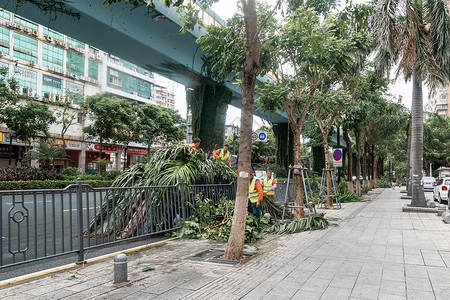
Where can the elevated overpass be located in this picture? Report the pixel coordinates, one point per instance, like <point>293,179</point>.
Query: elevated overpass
<point>139,36</point>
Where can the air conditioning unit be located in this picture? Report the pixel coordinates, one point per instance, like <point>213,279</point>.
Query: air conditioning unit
<point>94,81</point>
<point>10,24</point>
<point>32,63</point>
<point>19,90</point>
<point>83,78</point>
<point>74,76</point>
<point>51,69</point>
<point>27,30</point>
<point>98,56</point>
<point>91,56</point>
<point>135,93</point>
<point>59,71</point>
<point>61,98</point>
<point>49,38</point>
<point>52,97</point>
<point>30,92</point>
<point>135,69</point>
<point>61,44</point>
<point>72,47</point>
<point>35,32</point>
<point>81,50</point>
<point>2,54</point>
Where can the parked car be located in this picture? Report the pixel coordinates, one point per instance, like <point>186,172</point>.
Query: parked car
<point>440,192</point>
<point>428,183</point>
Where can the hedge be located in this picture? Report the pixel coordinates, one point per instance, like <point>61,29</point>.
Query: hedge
<point>48,184</point>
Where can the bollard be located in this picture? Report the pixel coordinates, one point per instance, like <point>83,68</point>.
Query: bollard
<point>446,217</point>
<point>120,268</point>
<point>441,209</point>
<point>431,204</point>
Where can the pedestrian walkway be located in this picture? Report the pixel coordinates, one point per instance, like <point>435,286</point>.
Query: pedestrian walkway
<point>376,252</point>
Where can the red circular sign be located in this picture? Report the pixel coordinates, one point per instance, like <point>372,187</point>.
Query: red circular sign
<point>254,136</point>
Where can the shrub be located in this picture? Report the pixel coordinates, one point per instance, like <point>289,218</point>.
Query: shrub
<point>349,197</point>
<point>25,174</point>
<point>365,189</point>
<point>384,182</point>
<point>48,184</point>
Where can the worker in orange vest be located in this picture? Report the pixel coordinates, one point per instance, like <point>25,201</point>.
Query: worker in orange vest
<point>255,196</point>
<point>223,154</point>
<point>195,144</point>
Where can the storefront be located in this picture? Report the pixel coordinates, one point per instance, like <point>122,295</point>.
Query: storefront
<point>17,150</point>
<point>108,152</point>
<point>134,154</point>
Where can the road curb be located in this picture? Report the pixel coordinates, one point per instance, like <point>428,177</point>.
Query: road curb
<point>74,265</point>
<point>419,209</point>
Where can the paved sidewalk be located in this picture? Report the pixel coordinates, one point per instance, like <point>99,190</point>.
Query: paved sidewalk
<point>376,252</point>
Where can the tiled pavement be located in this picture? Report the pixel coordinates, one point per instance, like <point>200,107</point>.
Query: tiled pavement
<point>376,252</point>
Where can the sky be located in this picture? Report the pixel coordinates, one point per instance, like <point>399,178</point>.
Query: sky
<point>226,9</point>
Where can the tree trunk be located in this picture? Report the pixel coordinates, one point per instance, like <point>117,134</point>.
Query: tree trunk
<point>328,172</point>
<point>235,245</point>
<point>298,180</point>
<point>364,166</point>
<point>125,163</point>
<point>348,143</point>
<point>418,196</point>
<point>358,163</point>
<point>371,165</point>
<point>100,153</point>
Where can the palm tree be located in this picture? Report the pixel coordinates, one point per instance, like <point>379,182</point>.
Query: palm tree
<point>46,153</point>
<point>416,35</point>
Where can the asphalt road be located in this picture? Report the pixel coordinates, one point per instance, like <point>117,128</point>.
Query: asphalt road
<point>41,225</point>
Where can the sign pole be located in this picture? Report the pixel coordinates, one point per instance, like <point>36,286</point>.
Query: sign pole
<point>338,145</point>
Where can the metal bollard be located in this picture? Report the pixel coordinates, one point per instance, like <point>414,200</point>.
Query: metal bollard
<point>120,268</point>
<point>441,209</point>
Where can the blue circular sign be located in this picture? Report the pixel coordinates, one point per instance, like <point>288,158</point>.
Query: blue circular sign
<point>262,136</point>
<point>337,154</point>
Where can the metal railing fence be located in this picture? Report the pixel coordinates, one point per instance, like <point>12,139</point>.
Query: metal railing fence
<point>40,224</point>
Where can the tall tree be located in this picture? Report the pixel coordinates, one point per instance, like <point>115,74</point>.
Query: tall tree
<point>416,35</point>
<point>107,115</point>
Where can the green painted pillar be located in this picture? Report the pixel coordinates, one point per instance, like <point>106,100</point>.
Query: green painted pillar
<point>208,104</point>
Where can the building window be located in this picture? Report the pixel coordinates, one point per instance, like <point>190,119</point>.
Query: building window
<point>25,47</point>
<point>54,34</point>
<point>93,69</point>
<point>443,96</point>
<point>4,40</point>
<point>75,92</point>
<point>25,23</point>
<point>25,78</point>
<point>4,14</point>
<point>75,43</point>
<point>75,64</point>
<point>52,85</point>
<point>52,56</point>
<point>129,84</point>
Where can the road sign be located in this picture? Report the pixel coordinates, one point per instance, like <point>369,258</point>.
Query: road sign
<point>262,136</point>
<point>337,157</point>
<point>254,136</point>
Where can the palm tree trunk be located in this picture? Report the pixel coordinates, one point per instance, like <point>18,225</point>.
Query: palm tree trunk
<point>350,161</point>
<point>358,163</point>
<point>418,196</point>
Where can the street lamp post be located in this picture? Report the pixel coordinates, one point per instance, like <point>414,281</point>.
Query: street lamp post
<point>10,147</point>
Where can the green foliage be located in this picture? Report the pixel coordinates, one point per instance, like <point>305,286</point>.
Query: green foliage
<point>384,182</point>
<point>259,149</point>
<point>46,153</point>
<point>213,221</point>
<point>365,189</point>
<point>313,222</point>
<point>48,184</point>
<point>268,205</point>
<point>345,195</point>
<point>436,141</point>
<point>170,165</point>
<point>24,174</point>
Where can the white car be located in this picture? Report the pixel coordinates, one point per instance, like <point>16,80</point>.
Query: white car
<point>440,192</point>
<point>428,183</point>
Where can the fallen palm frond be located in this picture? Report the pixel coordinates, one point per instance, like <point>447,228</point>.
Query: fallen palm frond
<point>152,198</point>
<point>313,222</point>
